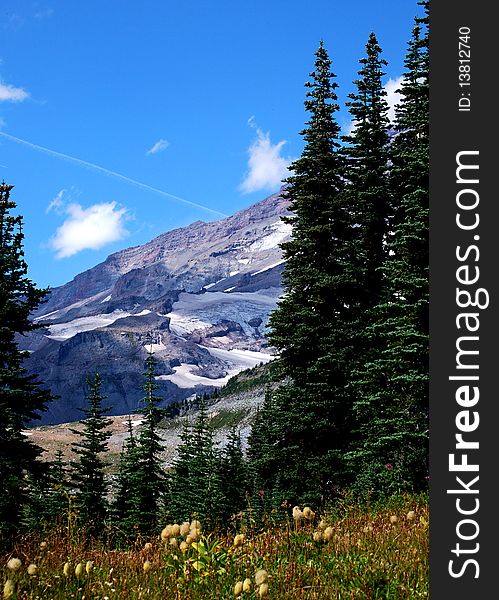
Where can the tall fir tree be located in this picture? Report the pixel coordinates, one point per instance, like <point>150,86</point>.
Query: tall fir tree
<point>369,190</point>
<point>261,457</point>
<point>367,151</point>
<point>316,201</point>
<point>57,503</point>
<point>122,511</point>
<point>21,398</point>
<point>392,404</point>
<point>194,488</point>
<point>87,471</point>
<point>311,326</point>
<point>148,480</point>
<point>233,478</point>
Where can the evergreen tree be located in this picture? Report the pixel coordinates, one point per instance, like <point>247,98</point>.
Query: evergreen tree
<point>312,325</point>
<point>123,514</point>
<point>262,463</point>
<point>148,480</point>
<point>318,230</point>
<point>88,469</point>
<point>21,398</point>
<point>194,485</point>
<point>392,404</point>
<point>57,499</point>
<point>47,493</point>
<point>369,190</point>
<point>233,478</point>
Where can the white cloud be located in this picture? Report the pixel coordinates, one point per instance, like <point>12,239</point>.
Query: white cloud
<point>89,228</point>
<point>159,146</point>
<point>10,93</point>
<point>266,166</point>
<point>392,96</point>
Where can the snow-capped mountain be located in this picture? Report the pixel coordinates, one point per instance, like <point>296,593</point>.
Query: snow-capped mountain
<point>199,297</point>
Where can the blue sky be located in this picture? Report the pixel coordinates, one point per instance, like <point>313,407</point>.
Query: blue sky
<point>111,111</point>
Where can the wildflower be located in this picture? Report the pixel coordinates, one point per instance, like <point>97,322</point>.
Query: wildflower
<point>8,589</point>
<point>261,577</point>
<point>89,567</point>
<point>174,543</point>
<point>147,546</point>
<point>247,585</point>
<point>317,536</point>
<point>195,525</point>
<point>238,588</point>
<point>411,515</point>
<point>308,513</point>
<point>175,529</point>
<point>185,528</point>
<point>322,525</point>
<point>166,533</point>
<point>393,519</point>
<point>194,535</point>
<point>263,590</point>
<point>146,566</point>
<point>14,564</point>
<point>43,545</point>
<point>239,540</point>
<point>80,567</point>
<point>67,569</point>
<point>328,534</point>
<point>389,466</point>
<point>184,546</point>
<point>32,569</point>
<point>297,513</point>
<point>368,528</point>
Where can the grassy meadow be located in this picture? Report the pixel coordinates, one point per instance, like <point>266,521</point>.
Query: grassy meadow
<point>358,553</point>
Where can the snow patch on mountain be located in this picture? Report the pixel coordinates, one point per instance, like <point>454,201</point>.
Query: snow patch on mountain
<point>280,231</point>
<point>240,359</point>
<point>200,311</point>
<point>155,347</point>
<point>64,331</point>
<point>185,375</point>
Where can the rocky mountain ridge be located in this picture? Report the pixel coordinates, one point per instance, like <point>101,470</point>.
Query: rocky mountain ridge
<point>198,297</point>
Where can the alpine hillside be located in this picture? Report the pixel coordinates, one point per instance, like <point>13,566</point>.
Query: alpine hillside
<point>198,297</point>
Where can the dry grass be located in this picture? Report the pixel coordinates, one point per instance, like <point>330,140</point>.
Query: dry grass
<point>367,555</point>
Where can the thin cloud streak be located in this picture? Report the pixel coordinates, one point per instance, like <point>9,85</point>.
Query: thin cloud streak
<point>108,172</point>
<point>159,146</point>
